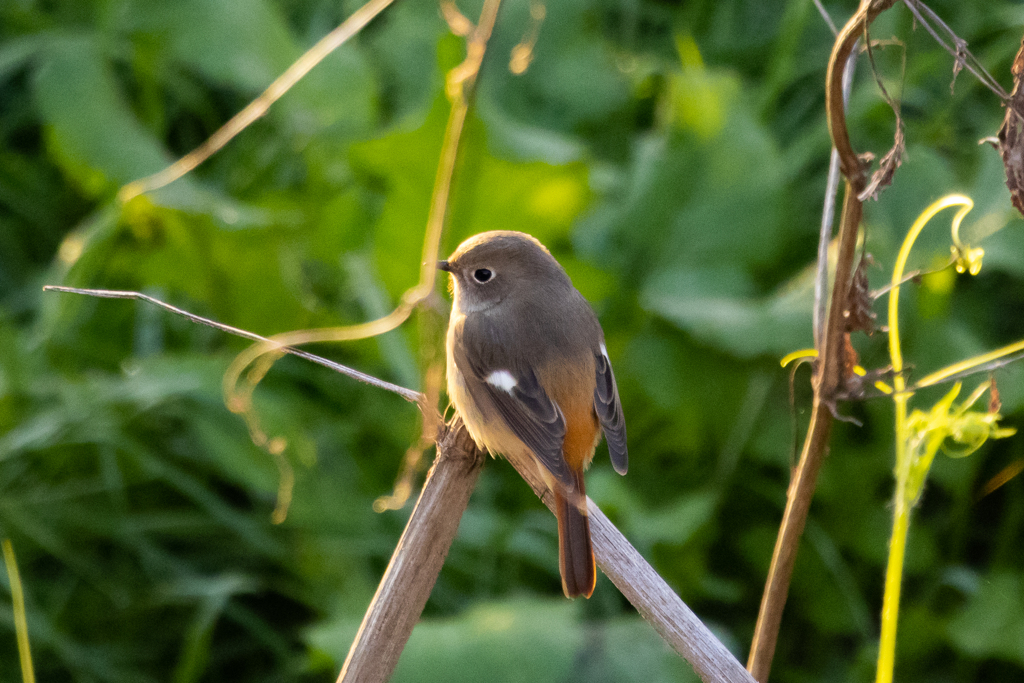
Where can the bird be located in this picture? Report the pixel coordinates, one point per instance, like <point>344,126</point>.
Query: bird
<point>528,371</point>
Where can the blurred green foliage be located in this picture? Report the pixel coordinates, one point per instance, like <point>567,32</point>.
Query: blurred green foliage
<point>672,155</point>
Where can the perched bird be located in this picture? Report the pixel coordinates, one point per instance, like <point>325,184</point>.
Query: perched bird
<point>529,373</point>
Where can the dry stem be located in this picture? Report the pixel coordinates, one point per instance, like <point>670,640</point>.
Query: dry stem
<point>828,371</point>
<point>417,560</point>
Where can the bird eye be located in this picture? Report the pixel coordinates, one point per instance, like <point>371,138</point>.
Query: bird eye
<point>482,274</point>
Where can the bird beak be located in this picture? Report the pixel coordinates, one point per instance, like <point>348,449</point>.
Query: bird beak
<point>444,265</point>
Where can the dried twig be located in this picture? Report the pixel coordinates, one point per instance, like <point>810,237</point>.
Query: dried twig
<point>1010,140</point>
<point>892,159</point>
<point>964,58</point>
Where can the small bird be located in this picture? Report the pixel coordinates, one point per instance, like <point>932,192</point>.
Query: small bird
<point>529,373</point>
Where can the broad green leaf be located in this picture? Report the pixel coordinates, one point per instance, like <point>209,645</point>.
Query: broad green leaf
<point>717,307</point>
<point>992,622</point>
<point>514,641</point>
<point>91,129</point>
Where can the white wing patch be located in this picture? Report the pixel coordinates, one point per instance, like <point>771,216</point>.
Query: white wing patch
<point>604,350</point>
<point>502,379</point>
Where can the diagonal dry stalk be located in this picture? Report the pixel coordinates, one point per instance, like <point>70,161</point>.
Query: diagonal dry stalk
<point>420,554</point>
<point>828,376</point>
<point>652,597</point>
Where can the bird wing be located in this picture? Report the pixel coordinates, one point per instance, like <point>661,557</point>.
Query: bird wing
<point>609,412</point>
<point>517,397</point>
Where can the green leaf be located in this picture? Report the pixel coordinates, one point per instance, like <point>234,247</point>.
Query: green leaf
<point>716,306</point>
<point>243,45</point>
<point>97,139</point>
<point>527,641</point>
<point>992,622</point>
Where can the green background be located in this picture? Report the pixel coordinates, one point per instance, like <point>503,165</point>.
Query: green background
<point>671,154</point>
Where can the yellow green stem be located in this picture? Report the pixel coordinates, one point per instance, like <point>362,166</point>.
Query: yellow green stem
<point>891,600</point>
<point>895,353</point>
<point>902,503</point>
<point>897,546</point>
<point>20,622</point>
<point>970,363</point>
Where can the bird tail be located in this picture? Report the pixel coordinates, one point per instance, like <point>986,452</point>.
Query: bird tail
<point>575,552</point>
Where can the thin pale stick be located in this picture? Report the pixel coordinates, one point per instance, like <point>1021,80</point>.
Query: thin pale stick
<point>407,394</point>
<point>918,8</point>
<point>258,107</point>
<point>825,15</point>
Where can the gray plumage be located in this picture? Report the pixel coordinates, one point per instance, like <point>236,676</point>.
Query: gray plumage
<point>551,327</point>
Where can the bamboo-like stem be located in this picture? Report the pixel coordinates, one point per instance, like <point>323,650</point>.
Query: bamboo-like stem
<point>416,561</point>
<point>829,367</point>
